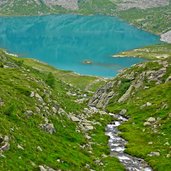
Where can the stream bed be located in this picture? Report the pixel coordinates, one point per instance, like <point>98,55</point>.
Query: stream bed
<point>117,147</point>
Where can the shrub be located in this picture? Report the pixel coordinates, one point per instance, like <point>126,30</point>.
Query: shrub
<point>50,80</point>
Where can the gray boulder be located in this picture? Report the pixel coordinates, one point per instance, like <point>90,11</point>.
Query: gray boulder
<point>48,127</point>
<point>102,96</point>
<point>151,119</point>
<point>45,168</point>
<point>75,119</point>
<point>154,154</point>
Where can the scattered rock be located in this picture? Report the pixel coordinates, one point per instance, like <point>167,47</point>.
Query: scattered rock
<point>20,147</point>
<point>154,154</point>
<point>167,143</point>
<point>32,94</point>
<point>75,119</point>
<point>101,112</point>
<point>123,112</point>
<point>40,99</point>
<point>1,102</point>
<point>45,168</point>
<point>37,109</point>
<point>48,127</point>
<point>151,119</point>
<point>104,156</point>
<point>4,143</point>
<point>88,137</point>
<point>32,163</point>
<point>147,123</point>
<point>54,110</point>
<point>5,147</point>
<point>58,160</point>
<point>143,4</point>
<point>6,138</point>
<point>39,148</point>
<point>28,113</point>
<point>89,127</point>
<point>168,79</point>
<point>168,155</point>
<point>148,104</point>
<point>61,112</point>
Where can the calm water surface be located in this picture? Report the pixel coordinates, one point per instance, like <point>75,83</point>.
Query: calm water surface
<point>65,41</point>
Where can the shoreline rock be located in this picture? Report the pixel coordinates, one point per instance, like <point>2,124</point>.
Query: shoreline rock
<point>166,37</point>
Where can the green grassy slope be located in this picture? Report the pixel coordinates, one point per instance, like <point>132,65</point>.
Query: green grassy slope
<point>155,20</point>
<point>32,96</point>
<point>105,7</point>
<point>160,51</point>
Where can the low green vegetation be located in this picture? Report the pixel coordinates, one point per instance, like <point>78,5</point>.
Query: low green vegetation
<point>37,102</point>
<point>155,20</point>
<point>160,51</point>
<point>35,124</point>
<point>105,7</point>
<point>79,81</point>
<point>148,107</point>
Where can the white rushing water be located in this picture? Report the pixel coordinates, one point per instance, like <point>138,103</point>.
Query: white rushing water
<point>117,147</point>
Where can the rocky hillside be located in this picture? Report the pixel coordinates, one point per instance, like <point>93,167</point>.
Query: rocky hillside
<point>45,123</point>
<point>143,93</point>
<point>55,120</point>
<point>67,4</point>
<point>45,118</point>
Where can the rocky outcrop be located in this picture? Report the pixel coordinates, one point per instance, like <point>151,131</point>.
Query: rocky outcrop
<point>166,37</point>
<point>67,4</point>
<point>137,81</point>
<point>143,4</point>
<point>48,127</point>
<point>102,96</point>
<point>2,2</point>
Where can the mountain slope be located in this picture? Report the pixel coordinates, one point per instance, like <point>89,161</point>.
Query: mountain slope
<point>44,121</point>
<point>143,92</point>
<point>153,16</point>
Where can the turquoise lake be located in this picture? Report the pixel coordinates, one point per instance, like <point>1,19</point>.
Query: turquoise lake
<point>66,41</point>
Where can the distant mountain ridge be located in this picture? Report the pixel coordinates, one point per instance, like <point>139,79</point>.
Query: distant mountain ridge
<point>153,16</point>
<point>68,4</point>
<point>74,4</point>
